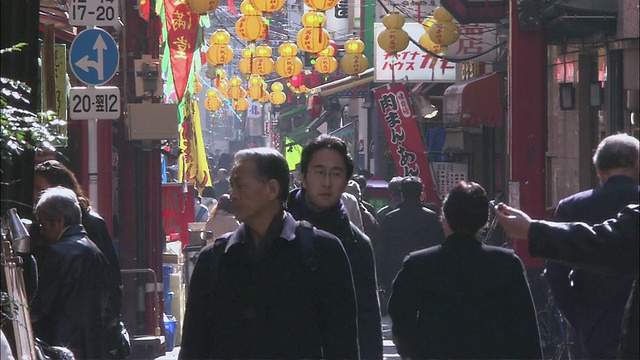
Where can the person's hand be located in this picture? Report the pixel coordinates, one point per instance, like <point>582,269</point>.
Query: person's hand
<point>514,222</point>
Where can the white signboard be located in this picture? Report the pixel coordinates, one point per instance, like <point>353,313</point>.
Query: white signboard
<point>417,65</point>
<point>102,102</point>
<point>93,12</point>
<point>255,110</point>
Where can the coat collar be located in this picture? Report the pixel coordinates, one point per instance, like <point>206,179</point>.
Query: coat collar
<point>288,232</point>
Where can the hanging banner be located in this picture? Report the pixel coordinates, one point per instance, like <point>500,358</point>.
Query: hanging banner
<point>402,131</point>
<point>182,32</point>
<point>193,156</point>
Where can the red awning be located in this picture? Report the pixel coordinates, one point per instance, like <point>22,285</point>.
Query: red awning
<point>475,102</point>
<point>477,11</point>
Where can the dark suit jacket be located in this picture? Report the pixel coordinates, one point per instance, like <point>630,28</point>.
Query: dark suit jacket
<point>611,246</point>
<point>593,302</point>
<point>464,300</point>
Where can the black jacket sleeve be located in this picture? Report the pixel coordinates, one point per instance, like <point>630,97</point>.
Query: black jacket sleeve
<point>196,327</point>
<point>403,309</point>
<point>611,245</point>
<point>336,300</point>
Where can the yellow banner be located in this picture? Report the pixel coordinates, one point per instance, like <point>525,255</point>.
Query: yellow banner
<point>193,157</point>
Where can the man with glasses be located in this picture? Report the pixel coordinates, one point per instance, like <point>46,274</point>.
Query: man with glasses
<point>255,294</point>
<point>73,279</point>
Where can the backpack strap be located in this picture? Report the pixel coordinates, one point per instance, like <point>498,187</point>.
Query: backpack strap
<point>305,234</point>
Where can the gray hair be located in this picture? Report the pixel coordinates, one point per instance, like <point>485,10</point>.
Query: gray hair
<point>615,152</point>
<point>59,202</point>
<point>270,165</point>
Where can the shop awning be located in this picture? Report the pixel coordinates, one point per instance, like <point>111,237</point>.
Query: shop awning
<point>345,83</point>
<point>475,102</point>
<point>477,11</point>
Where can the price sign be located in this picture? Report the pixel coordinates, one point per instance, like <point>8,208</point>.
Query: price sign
<point>93,12</point>
<point>102,102</point>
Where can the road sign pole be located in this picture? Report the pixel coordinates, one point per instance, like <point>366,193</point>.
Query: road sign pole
<point>92,134</point>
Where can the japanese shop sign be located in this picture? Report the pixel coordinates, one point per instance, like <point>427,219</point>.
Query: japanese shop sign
<point>182,32</point>
<point>418,65</point>
<point>406,145</point>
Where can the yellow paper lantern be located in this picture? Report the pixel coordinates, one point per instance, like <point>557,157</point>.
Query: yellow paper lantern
<point>426,24</point>
<point>264,97</point>
<point>354,63</point>
<point>264,51</point>
<point>221,73</point>
<point>288,49</point>
<point>263,65</point>
<point>247,9</point>
<point>444,33</point>
<point>245,66</point>
<point>240,104</point>
<point>425,42</point>
<point>251,28</point>
<point>277,86</point>
<point>267,6</point>
<point>328,51</point>
<point>323,5</point>
<point>441,14</point>
<point>202,7</point>
<point>354,46</point>
<point>197,86</point>
<point>237,92</point>
<point>393,20</point>
<point>313,19</point>
<point>326,64</point>
<point>393,41</point>
<point>312,39</point>
<point>220,37</point>
<point>288,66</point>
<point>256,92</point>
<point>277,98</point>
<point>212,103</point>
<point>256,80</point>
<point>222,85</point>
<point>219,54</point>
<point>235,81</point>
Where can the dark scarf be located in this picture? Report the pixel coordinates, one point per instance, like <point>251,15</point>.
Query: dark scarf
<point>333,220</point>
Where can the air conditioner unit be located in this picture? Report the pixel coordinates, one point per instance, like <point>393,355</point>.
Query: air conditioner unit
<point>152,121</point>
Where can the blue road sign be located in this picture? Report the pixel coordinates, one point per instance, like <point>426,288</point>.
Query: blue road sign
<point>94,56</point>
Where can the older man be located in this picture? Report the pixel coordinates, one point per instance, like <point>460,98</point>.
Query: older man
<point>73,279</point>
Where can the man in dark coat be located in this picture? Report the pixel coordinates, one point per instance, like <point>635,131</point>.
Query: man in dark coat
<point>594,302</point>
<point>69,308</point>
<point>326,167</point>
<point>463,299</point>
<point>266,291</point>
<point>408,228</point>
<point>396,197</point>
<point>611,246</point>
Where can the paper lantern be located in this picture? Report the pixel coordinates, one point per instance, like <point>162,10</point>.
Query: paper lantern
<point>256,80</point>
<point>313,19</point>
<point>256,92</point>
<point>212,103</point>
<point>240,104</point>
<point>267,6</point>
<point>263,65</point>
<point>222,85</point>
<point>264,97</point>
<point>220,37</point>
<point>202,7</point>
<point>277,98</point>
<point>354,46</point>
<point>219,54</point>
<point>264,51</point>
<point>312,39</point>
<point>328,51</point>
<point>393,41</point>
<point>441,14</point>
<point>247,9</point>
<point>245,66</point>
<point>444,33</point>
<point>426,42</point>
<point>251,28</point>
<point>277,86</point>
<point>297,80</point>
<point>426,24</point>
<point>323,5</point>
<point>288,66</point>
<point>326,64</point>
<point>197,86</point>
<point>235,81</point>
<point>236,92</point>
<point>288,49</point>
<point>354,63</point>
<point>393,20</point>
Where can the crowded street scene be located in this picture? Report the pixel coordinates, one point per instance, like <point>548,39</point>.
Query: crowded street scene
<point>320,179</point>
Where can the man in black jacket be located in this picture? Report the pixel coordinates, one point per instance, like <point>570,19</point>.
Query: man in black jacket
<point>267,291</point>
<point>69,308</point>
<point>326,168</point>
<point>594,302</point>
<point>463,299</point>
<point>611,246</point>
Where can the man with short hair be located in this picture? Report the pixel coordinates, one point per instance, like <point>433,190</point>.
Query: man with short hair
<point>69,308</point>
<point>410,227</point>
<point>267,290</point>
<point>221,185</point>
<point>594,302</point>
<point>396,197</point>
<point>463,299</point>
<point>326,167</point>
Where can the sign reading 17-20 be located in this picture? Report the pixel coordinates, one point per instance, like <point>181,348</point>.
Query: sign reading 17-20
<point>93,12</point>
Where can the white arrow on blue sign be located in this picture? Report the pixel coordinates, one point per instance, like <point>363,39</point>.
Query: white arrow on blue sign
<point>94,56</point>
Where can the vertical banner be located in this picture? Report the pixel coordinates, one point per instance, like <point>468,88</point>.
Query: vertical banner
<point>402,131</point>
<point>193,155</point>
<point>178,210</point>
<point>182,33</point>
<point>60,74</point>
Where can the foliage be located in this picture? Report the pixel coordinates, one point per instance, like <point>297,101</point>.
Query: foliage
<point>21,128</point>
